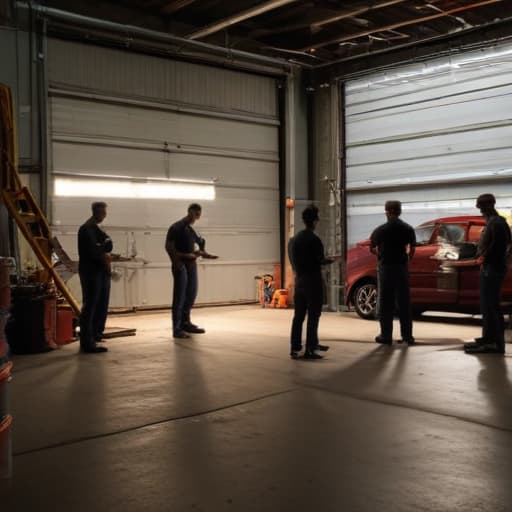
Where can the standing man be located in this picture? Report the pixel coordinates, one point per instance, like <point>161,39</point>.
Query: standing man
<point>492,253</point>
<point>95,257</point>
<point>180,246</point>
<point>306,253</point>
<point>394,244</point>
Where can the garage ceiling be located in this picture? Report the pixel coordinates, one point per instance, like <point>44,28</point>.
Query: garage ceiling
<point>312,33</point>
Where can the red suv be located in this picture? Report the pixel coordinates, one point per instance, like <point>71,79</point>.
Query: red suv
<point>436,283</point>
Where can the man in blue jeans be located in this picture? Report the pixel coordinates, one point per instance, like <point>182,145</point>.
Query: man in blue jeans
<point>492,253</point>
<point>184,246</point>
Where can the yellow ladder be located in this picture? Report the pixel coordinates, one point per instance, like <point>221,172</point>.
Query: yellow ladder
<point>20,202</point>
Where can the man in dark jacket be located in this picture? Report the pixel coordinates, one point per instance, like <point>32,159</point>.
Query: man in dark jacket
<point>306,253</point>
<point>394,244</point>
<point>95,257</point>
<point>184,246</point>
<point>493,250</point>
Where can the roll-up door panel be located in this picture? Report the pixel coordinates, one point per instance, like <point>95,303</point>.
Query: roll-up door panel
<point>434,135</point>
<point>109,136</point>
<point>118,123</point>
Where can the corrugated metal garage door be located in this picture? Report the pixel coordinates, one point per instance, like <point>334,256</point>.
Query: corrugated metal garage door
<point>434,135</point>
<point>113,113</point>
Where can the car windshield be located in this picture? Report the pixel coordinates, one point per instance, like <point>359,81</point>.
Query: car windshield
<point>423,234</point>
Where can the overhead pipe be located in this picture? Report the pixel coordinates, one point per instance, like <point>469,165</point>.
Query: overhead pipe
<point>79,19</point>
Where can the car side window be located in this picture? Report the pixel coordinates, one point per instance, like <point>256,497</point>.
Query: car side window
<point>424,234</point>
<point>451,233</point>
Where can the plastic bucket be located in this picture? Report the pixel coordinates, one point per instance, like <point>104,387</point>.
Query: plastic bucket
<point>50,321</point>
<point>5,447</point>
<point>64,326</point>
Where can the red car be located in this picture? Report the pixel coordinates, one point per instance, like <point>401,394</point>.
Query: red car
<point>436,282</point>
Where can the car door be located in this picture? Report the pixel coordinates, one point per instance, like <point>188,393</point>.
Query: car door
<point>432,282</point>
<point>429,282</point>
<point>469,277</point>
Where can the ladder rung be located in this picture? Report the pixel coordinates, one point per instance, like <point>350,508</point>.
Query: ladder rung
<point>28,216</point>
<point>18,193</point>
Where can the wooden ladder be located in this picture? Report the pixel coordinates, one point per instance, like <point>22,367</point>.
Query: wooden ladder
<point>20,202</point>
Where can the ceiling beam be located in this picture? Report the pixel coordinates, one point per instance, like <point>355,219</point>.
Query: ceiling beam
<point>325,21</point>
<point>237,18</point>
<point>417,51</point>
<point>175,5</point>
<point>355,12</point>
<point>399,24</point>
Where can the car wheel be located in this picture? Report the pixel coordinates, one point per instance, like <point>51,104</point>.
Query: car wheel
<point>365,300</point>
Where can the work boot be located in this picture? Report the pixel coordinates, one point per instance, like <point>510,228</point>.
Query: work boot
<point>485,348</point>
<point>181,335</point>
<point>383,341</point>
<point>311,354</point>
<point>193,329</point>
<point>93,350</point>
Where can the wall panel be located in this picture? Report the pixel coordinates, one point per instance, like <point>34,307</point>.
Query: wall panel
<point>434,135</point>
<point>142,117</point>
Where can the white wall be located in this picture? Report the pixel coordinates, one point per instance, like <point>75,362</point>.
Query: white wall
<point>144,117</point>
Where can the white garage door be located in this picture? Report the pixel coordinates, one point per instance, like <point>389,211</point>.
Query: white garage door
<point>434,135</point>
<point>131,119</point>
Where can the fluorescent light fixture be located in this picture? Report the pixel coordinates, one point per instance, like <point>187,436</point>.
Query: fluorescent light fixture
<point>105,188</point>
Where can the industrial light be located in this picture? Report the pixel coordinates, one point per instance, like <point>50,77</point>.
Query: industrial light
<point>157,189</point>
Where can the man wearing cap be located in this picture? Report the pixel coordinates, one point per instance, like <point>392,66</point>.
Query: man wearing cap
<point>493,250</point>
<point>394,244</point>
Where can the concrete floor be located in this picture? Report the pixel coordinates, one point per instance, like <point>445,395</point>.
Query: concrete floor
<point>227,422</point>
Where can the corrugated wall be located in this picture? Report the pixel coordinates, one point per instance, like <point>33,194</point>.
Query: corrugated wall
<point>434,135</point>
<point>141,76</point>
<point>115,113</point>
